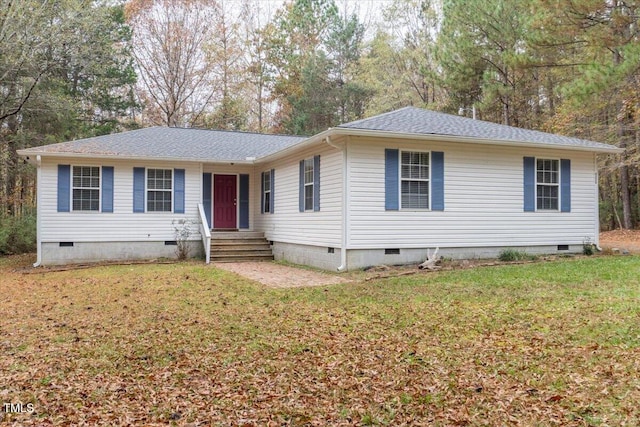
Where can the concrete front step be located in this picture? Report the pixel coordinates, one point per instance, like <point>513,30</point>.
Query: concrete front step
<point>237,252</point>
<point>239,246</point>
<point>236,235</point>
<point>234,242</point>
<point>226,257</point>
<point>260,246</point>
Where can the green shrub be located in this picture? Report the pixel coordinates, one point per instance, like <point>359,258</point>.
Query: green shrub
<point>514,255</point>
<point>588,248</point>
<point>17,234</point>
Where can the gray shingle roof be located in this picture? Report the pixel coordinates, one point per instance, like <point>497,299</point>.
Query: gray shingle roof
<point>175,143</point>
<point>227,146</point>
<point>418,121</point>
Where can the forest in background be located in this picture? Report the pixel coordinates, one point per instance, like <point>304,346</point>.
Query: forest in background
<point>77,68</point>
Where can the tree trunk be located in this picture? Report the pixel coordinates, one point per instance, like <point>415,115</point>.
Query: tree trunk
<point>626,199</point>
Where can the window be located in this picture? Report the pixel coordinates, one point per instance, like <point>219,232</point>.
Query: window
<point>86,188</point>
<point>547,184</point>
<point>308,184</point>
<point>414,176</point>
<point>159,190</point>
<point>266,192</point>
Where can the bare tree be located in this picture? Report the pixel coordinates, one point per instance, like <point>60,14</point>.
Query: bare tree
<point>255,17</point>
<point>169,43</point>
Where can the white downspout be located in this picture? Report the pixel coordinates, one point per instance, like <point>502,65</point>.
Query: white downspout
<point>38,211</point>
<point>343,248</point>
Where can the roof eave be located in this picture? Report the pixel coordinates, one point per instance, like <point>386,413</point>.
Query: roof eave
<point>28,154</point>
<point>469,140</point>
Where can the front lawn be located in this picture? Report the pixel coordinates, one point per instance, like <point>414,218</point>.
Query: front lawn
<point>554,343</point>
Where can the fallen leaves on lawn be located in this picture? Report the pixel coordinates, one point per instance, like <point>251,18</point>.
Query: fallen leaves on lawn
<point>185,344</point>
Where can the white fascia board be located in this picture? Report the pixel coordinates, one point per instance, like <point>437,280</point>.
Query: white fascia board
<point>31,156</point>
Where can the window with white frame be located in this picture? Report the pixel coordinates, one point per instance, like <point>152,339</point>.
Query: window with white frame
<point>414,177</point>
<point>266,191</point>
<point>547,184</point>
<point>308,184</point>
<point>159,190</point>
<point>86,188</point>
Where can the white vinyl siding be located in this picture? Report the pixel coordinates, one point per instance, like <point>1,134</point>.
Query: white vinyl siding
<point>122,225</point>
<point>288,224</point>
<point>85,188</point>
<point>483,187</point>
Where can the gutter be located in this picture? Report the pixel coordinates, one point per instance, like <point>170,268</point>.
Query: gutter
<point>29,155</point>
<point>345,201</point>
<point>38,212</point>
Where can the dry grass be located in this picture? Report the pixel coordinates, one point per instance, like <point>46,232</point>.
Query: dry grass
<point>541,344</point>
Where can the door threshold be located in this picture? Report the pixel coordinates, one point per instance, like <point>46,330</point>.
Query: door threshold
<point>224,230</point>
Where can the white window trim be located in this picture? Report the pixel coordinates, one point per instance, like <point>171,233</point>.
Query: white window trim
<point>400,179</point>
<point>146,190</point>
<point>546,184</point>
<point>72,187</point>
<point>311,184</point>
<point>267,189</point>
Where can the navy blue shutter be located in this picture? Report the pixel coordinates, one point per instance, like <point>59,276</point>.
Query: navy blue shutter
<point>529,167</point>
<point>391,165</point>
<point>107,189</point>
<point>206,196</point>
<point>301,188</point>
<point>178,191</point>
<point>437,180</point>
<point>316,183</point>
<point>565,185</point>
<point>138,190</point>
<point>273,194</point>
<point>64,188</point>
<point>244,201</point>
<point>262,192</point>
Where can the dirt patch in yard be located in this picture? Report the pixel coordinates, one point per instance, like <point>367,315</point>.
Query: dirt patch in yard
<point>280,276</point>
<point>622,240</point>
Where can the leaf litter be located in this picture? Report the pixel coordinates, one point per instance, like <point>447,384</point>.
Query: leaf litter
<point>181,344</point>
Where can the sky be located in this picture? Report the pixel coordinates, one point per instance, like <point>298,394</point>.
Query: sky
<point>369,11</point>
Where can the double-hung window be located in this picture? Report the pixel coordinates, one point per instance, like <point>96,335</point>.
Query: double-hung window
<point>266,194</point>
<point>267,191</point>
<point>159,190</point>
<point>547,184</point>
<point>414,178</point>
<point>86,188</point>
<point>308,184</point>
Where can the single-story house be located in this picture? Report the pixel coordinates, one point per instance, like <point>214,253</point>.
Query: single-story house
<point>381,190</point>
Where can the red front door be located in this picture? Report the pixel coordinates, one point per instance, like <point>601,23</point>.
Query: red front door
<point>224,201</point>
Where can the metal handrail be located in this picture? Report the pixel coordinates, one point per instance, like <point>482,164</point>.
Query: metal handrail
<point>205,232</point>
